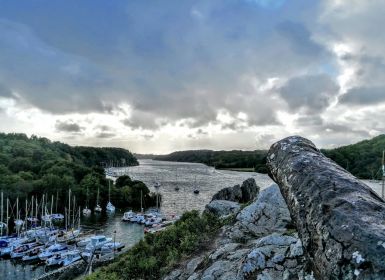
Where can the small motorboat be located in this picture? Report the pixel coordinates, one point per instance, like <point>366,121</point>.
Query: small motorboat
<point>70,257</point>
<point>52,250</point>
<point>110,208</point>
<point>127,216</point>
<point>86,211</point>
<point>196,191</point>
<point>97,242</point>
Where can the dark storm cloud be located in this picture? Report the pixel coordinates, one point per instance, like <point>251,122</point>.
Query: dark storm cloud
<point>187,59</point>
<point>362,96</point>
<point>68,126</point>
<point>311,92</point>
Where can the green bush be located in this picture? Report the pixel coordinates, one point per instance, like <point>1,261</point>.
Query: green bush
<point>157,254</point>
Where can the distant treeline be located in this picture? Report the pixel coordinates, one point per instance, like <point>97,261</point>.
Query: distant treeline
<point>362,159</point>
<point>36,166</point>
<point>221,159</point>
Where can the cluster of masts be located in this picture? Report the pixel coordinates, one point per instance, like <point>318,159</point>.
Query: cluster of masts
<point>110,208</point>
<point>35,213</point>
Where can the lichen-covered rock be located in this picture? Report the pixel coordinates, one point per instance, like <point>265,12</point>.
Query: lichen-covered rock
<point>266,215</point>
<point>249,190</point>
<point>242,194</point>
<point>223,207</point>
<point>230,193</point>
<point>340,220</point>
<point>267,250</point>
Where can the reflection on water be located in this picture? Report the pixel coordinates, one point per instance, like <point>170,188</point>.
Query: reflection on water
<point>186,176</point>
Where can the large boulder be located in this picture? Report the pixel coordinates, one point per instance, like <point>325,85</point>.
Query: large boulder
<point>222,207</point>
<point>249,190</point>
<point>242,194</point>
<point>268,214</point>
<point>340,220</point>
<point>230,193</point>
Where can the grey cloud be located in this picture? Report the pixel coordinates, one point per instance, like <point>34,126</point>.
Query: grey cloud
<point>166,69</point>
<point>312,92</point>
<point>4,91</point>
<point>68,126</point>
<point>104,135</point>
<point>300,38</point>
<point>364,96</point>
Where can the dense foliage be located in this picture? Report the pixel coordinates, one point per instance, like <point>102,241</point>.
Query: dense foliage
<point>36,166</point>
<point>158,253</point>
<point>362,159</point>
<point>221,159</point>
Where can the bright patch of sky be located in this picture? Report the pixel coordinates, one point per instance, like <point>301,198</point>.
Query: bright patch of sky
<point>157,76</point>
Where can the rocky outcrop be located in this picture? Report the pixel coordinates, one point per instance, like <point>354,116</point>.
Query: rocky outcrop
<point>244,193</point>
<point>259,245</point>
<point>268,214</point>
<point>223,207</point>
<point>340,220</point>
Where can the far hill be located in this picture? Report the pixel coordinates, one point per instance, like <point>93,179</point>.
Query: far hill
<point>362,159</point>
<point>247,160</point>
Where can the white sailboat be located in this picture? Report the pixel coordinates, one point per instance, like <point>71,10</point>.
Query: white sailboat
<point>97,208</point>
<point>110,208</point>
<point>87,211</point>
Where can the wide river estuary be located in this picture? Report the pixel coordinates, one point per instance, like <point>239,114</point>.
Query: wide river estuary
<point>185,176</point>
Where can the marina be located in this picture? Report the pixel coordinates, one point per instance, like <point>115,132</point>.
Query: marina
<point>125,227</point>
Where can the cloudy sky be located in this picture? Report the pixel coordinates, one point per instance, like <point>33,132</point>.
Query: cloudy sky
<point>159,76</point>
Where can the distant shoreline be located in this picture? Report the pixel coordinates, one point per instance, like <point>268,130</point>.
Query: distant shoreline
<point>241,169</point>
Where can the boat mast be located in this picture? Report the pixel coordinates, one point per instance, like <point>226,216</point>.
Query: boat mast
<point>73,212</point>
<point>26,214</point>
<point>97,198</point>
<point>32,209</point>
<point>1,222</point>
<point>109,191</point>
<point>57,194</point>
<point>51,204</point>
<point>17,214</point>
<point>7,214</point>
<point>69,208</point>
<point>141,198</point>
<point>36,207</point>
<point>383,172</point>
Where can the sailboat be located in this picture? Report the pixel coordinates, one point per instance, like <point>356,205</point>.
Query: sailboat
<point>18,222</point>
<point>97,208</point>
<point>176,180</point>
<point>196,190</point>
<point>87,211</point>
<point>110,208</point>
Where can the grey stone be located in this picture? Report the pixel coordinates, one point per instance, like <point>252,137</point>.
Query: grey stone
<point>249,190</point>
<point>223,207</point>
<point>266,215</point>
<point>242,194</point>
<point>339,218</point>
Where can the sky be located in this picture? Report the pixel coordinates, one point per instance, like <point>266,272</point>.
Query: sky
<point>160,76</point>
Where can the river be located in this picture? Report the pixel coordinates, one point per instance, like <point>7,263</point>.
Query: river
<point>186,176</point>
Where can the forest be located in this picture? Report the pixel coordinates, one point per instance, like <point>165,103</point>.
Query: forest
<point>221,159</point>
<point>33,166</point>
<point>362,159</point>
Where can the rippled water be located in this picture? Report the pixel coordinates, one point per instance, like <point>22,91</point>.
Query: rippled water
<point>187,176</point>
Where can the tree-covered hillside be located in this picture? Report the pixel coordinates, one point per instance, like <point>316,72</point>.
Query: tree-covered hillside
<point>221,159</point>
<point>35,166</point>
<point>362,159</point>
